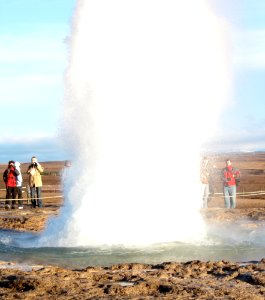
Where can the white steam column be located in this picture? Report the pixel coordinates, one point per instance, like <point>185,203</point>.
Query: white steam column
<point>145,85</point>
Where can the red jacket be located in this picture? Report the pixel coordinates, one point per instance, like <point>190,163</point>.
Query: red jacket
<point>230,175</point>
<point>10,177</point>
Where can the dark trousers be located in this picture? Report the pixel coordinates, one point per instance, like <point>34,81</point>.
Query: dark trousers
<point>11,193</point>
<point>35,192</point>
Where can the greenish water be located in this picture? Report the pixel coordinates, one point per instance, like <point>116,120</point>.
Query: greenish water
<point>234,243</point>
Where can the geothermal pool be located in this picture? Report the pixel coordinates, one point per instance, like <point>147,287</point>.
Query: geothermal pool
<point>146,83</point>
<point>237,243</point>
<point>144,88</point>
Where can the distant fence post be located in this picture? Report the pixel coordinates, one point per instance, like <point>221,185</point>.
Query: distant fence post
<point>28,194</point>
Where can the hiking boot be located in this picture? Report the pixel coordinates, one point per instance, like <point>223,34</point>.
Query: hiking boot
<point>13,207</point>
<point>7,206</point>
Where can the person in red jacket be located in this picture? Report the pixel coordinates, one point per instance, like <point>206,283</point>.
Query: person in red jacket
<point>10,179</point>
<point>231,178</point>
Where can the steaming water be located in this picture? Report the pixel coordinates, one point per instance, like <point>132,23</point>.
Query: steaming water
<point>146,82</point>
<point>240,243</point>
<point>144,87</point>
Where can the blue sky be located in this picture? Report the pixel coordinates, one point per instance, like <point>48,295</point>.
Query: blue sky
<point>33,58</point>
<point>242,124</point>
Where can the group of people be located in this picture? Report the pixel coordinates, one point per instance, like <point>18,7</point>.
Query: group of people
<point>230,179</point>
<point>13,180</point>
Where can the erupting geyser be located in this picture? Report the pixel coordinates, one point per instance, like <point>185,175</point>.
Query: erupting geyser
<point>145,84</point>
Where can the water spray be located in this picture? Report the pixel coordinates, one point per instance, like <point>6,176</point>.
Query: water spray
<point>145,85</point>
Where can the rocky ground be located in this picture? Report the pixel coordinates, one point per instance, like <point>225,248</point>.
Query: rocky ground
<point>27,219</point>
<point>190,280</point>
<point>169,280</point>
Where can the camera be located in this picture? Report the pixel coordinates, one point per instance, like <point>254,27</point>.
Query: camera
<point>34,164</point>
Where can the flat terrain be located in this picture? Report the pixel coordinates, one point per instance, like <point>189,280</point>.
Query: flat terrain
<point>191,280</point>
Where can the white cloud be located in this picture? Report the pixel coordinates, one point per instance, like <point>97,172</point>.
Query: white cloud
<point>39,44</point>
<point>46,148</point>
<point>238,139</point>
<point>13,87</point>
<point>35,137</point>
<point>32,64</point>
<point>250,48</point>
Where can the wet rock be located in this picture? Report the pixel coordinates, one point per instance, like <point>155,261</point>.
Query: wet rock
<point>213,280</point>
<point>18,283</point>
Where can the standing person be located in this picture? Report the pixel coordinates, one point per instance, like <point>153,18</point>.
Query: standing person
<point>213,173</point>
<point>35,182</point>
<point>19,185</point>
<point>65,172</point>
<point>204,176</point>
<point>231,178</point>
<point>10,179</point>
